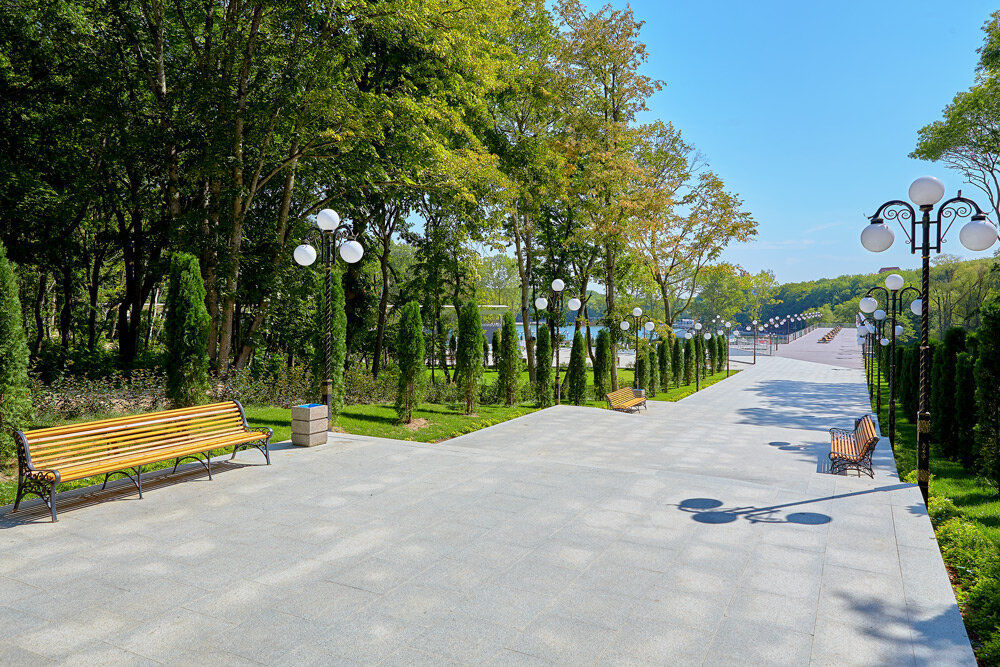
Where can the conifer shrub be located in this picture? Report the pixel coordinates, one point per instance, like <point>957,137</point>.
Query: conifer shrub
<point>15,399</point>
<point>602,365</point>
<point>410,355</point>
<point>576,377</point>
<point>468,355</point>
<point>185,333</point>
<point>543,367</point>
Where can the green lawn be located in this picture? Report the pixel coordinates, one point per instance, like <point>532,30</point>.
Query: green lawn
<point>977,500</point>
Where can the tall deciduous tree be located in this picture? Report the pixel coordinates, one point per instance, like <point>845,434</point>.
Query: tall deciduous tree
<point>410,354</point>
<point>186,333</point>
<point>15,401</point>
<point>469,362</point>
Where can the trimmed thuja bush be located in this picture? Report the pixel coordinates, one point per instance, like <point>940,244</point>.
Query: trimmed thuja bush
<point>543,367</point>
<point>723,352</point>
<point>469,360</point>
<point>987,427</point>
<point>664,363</point>
<point>410,354</point>
<point>185,333</point>
<point>496,348</point>
<point>486,352</point>
<point>576,377</point>
<point>689,365</point>
<point>944,424</point>
<point>15,401</point>
<point>640,367</point>
<point>602,365</point>
<point>964,445</point>
<point>654,372</point>
<point>509,364</point>
<point>677,362</point>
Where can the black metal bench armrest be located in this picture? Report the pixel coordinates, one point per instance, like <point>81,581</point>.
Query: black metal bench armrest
<point>841,431</point>
<point>263,429</point>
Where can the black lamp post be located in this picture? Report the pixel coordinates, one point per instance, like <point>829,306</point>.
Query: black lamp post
<point>330,228</point>
<point>625,326</point>
<point>977,234</point>
<point>541,303</point>
<point>729,326</point>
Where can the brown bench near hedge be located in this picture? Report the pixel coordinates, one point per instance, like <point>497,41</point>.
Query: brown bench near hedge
<point>122,446</point>
<point>853,449</point>
<point>625,400</point>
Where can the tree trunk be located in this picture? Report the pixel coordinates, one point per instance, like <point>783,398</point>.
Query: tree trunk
<point>43,280</point>
<point>522,247</point>
<point>609,284</point>
<point>383,305</point>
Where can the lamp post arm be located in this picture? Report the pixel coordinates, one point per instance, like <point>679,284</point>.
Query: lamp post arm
<point>953,209</point>
<point>898,210</point>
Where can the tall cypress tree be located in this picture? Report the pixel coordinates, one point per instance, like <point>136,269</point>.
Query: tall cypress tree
<point>543,367</point>
<point>652,363</point>
<point>410,353</point>
<point>640,368</point>
<point>665,363</point>
<point>576,376</point>
<point>965,410</point>
<point>509,365</point>
<point>943,394</point>
<point>469,361</point>
<point>486,352</point>
<point>15,400</point>
<point>677,362</point>
<point>689,360</point>
<point>988,393</point>
<point>185,333</point>
<point>602,365</point>
<point>496,349</point>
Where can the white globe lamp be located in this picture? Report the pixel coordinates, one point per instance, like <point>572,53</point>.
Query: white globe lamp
<point>304,255</point>
<point>637,311</point>
<point>623,326</point>
<point>916,306</point>
<point>978,234</point>
<point>541,303</point>
<point>327,219</point>
<point>558,285</point>
<point>574,304</point>
<point>877,236</point>
<point>926,191</point>
<point>894,282</point>
<point>352,252</point>
<point>868,304</point>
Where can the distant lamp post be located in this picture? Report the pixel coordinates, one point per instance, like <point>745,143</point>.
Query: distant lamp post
<point>649,326</point>
<point>542,303</point>
<point>977,234</point>
<point>894,293</point>
<point>330,229</point>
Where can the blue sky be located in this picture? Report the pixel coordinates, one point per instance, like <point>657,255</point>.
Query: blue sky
<point>809,109</point>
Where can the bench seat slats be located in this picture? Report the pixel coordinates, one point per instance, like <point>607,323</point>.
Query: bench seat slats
<point>49,456</point>
<point>625,400</point>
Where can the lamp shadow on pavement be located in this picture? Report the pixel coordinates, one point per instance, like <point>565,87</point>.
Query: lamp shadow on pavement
<point>812,452</point>
<point>707,510</point>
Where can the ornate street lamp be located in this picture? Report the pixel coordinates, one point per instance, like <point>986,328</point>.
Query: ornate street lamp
<point>330,229</point>
<point>625,325</point>
<point>977,234</point>
<point>541,303</point>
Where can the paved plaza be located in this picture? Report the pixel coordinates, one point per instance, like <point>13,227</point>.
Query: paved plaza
<point>701,532</point>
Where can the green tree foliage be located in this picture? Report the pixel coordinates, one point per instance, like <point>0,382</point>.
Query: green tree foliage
<point>722,351</point>
<point>468,361</point>
<point>964,445</point>
<point>689,360</point>
<point>186,333</point>
<point>652,363</point>
<point>486,352</point>
<point>410,355</point>
<point>665,363</point>
<point>943,391</point>
<point>576,377</point>
<point>677,365</point>
<point>15,401</point>
<point>496,349</point>
<point>509,365</point>
<point>543,367</point>
<point>987,427</point>
<point>602,365</point>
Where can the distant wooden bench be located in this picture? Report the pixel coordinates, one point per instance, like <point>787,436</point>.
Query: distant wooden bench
<point>853,449</point>
<point>830,335</point>
<point>625,400</point>
<point>49,456</point>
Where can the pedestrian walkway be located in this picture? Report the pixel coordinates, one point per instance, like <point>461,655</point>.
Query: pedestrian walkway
<point>843,350</point>
<point>700,532</point>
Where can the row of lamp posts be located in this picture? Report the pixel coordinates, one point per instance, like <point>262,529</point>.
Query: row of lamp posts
<point>977,234</point>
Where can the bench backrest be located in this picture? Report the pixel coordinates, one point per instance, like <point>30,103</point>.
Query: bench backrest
<point>78,444</point>
<point>865,434</point>
<point>622,395</point>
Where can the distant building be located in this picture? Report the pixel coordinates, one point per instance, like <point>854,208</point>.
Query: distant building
<point>887,269</point>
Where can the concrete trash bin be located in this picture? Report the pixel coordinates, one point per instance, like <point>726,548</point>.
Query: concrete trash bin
<point>309,424</point>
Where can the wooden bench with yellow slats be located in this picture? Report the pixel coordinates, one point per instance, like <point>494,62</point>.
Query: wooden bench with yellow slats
<point>625,400</point>
<point>853,449</point>
<point>49,456</point>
